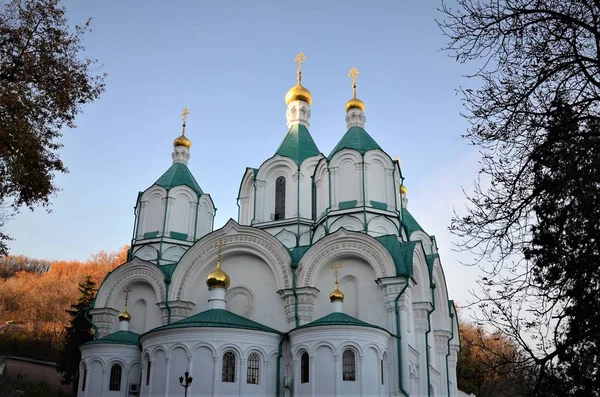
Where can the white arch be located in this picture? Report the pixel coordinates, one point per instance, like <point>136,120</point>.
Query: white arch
<point>177,345</point>
<point>441,315</point>
<point>382,225</point>
<point>352,346</point>
<point>298,350</point>
<point>348,222</point>
<point>345,243</point>
<point>135,270</point>
<point>197,346</point>
<point>420,274</point>
<point>237,238</point>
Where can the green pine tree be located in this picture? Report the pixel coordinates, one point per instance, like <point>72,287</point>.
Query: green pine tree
<point>78,333</point>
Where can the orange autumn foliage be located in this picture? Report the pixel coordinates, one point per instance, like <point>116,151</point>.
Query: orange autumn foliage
<point>38,301</point>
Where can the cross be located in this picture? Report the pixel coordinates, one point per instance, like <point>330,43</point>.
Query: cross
<point>353,74</point>
<point>127,291</point>
<point>219,245</point>
<point>300,58</point>
<point>335,266</point>
<point>184,115</point>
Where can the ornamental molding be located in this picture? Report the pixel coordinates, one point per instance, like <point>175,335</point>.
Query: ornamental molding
<point>345,243</point>
<point>237,239</point>
<point>244,292</point>
<point>131,272</point>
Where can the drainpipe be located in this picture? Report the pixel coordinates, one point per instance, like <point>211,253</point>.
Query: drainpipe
<point>135,227</point>
<point>427,338</point>
<point>364,195</point>
<point>254,201</point>
<point>298,206</point>
<point>167,283</point>
<point>448,354</point>
<point>278,377</point>
<point>85,315</point>
<point>162,237</point>
<point>296,317</point>
<point>399,341</point>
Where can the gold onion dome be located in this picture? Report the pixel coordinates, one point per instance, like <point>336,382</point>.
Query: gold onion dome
<point>124,316</point>
<point>354,103</point>
<point>182,141</point>
<point>298,92</point>
<point>336,295</point>
<point>218,278</point>
<point>403,190</point>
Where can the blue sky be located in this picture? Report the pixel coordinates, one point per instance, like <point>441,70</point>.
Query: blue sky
<point>231,64</point>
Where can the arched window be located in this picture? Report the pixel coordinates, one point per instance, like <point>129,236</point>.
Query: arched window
<point>348,365</point>
<point>382,377</point>
<point>304,361</point>
<point>115,378</point>
<point>228,369</point>
<point>279,198</point>
<point>84,378</point>
<point>148,367</point>
<point>253,365</point>
<point>314,199</point>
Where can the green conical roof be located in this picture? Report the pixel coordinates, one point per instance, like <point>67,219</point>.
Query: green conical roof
<point>298,144</point>
<point>410,222</point>
<point>217,318</point>
<point>118,338</point>
<point>355,138</point>
<point>177,175</point>
<point>337,318</point>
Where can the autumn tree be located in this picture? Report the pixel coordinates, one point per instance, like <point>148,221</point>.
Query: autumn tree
<point>531,217</point>
<point>44,82</point>
<point>78,333</point>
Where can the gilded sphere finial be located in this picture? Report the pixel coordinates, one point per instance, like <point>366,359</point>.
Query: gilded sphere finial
<point>218,278</point>
<point>354,103</point>
<point>183,140</point>
<point>336,295</point>
<point>403,190</point>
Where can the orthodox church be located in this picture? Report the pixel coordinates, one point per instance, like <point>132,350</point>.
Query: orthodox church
<point>326,285</point>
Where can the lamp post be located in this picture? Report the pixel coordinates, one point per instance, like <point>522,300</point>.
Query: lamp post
<point>185,381</point>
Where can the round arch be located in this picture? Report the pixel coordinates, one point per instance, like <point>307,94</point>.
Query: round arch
<point>237,239</point>
<point>345,243</point>
<point>136,270</point>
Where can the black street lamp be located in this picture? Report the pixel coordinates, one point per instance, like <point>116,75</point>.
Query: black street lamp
<point>185,381</point>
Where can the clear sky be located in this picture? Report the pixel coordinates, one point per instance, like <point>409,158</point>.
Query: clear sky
<point>231,63</point>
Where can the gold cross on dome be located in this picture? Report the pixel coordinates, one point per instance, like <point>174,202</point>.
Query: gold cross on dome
<point>300,58</point>
<point>335,266</point>
<point>353,75</point>
<point>127,291</point>
<point>219,245</point>
<point>184,116</point>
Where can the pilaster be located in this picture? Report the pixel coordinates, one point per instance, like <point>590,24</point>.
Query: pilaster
<point>305,296</point>
<point>104,318</point>
<point>179,310</point>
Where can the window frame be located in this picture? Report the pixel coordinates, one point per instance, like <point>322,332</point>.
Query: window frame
<point>116,377</point>
<point>280,193</point>
<point>253,369</point>
<point>304,368</point>
<point>148,372</point>
<point>228,373</point>
<point>349,367</point>
<point>85,371</point>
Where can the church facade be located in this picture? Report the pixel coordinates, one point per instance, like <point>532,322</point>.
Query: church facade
<point>326,285</point>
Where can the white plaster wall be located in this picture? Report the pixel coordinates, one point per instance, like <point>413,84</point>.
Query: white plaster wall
<point>349,180</point>
<point>153,211</point>
<point>206,347</point>
<point>181,213</point>
<point>94,381</point>
<point>158,375</point>
<point>249,272</point>
<point>268,173</point>
<point>307,169</point>
<point>322,184</point>
<point>144,317</point>
<point>371,306</point>
<point>324,371</point>
<point>206,214</point>
<point>99,358</point>
<point>246,198</point>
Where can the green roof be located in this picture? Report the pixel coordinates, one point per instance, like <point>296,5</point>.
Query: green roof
<point>340,319</point>
<point>402,253</point>
<point>217,318</point>
<point>298,144</point>
<point>177,175</point>
<point>409,222</point>
<point>355,138</point>
<point>118,338</point>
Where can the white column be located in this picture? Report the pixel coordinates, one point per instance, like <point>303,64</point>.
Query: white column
<point>260,215</point>
<point>263,379</point>
<point>338,374</point>
<point>296,378</point>
<point>126,378</point>
<point>215,375</point>
<point>312,372</point>
<point>421,326</point>
<point>190,369</point>
<point>105,381</point>
<point>168,375</point>
<point>334,172</point>
<point>141,226</point>
<point>239,377</point>
<point>217,298</point>
<point>151,377</point>
<point>359,170</point>
<point>361,371</point>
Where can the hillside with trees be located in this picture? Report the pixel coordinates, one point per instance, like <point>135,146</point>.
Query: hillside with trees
<point>35,296</point>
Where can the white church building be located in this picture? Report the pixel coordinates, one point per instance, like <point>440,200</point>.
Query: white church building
<point>248,309</point>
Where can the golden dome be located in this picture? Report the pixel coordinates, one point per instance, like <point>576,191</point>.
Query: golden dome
<point>403,190</point>
<point>355,103</point>
<point>298,93</point>
<point>182,141</point>
<point>218,278</point>
<point>124,316</point>
<point>336,295</point>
